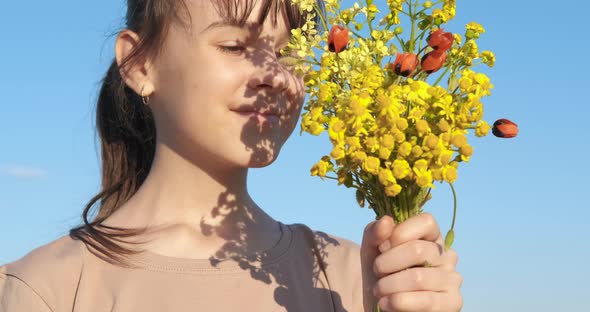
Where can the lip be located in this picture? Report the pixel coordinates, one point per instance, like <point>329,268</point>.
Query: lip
<point>260,116</point>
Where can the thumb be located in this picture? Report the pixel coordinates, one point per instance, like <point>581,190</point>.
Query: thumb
<point>376,232</point>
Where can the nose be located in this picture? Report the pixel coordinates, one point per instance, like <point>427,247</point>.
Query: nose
<point>270,75</point>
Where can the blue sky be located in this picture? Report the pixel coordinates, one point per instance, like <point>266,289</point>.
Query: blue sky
<point>523,215</point>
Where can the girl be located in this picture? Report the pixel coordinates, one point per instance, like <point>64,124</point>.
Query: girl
<point>196,95</point>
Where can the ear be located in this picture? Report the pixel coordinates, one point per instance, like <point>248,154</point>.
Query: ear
<point>138,75</point>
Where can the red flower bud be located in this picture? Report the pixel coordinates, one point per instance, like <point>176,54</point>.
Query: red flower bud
<point>433,61</point>
<point>405,63</point>
<point>440,40</point>
<point>338,38</point>
<point>504,128</point>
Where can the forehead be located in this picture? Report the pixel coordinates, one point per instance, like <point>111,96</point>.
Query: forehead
<point>261,15</point>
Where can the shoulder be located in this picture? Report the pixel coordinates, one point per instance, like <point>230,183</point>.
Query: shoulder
<point>333,247</point>
<point>44,271</point>
<point>340,262</point>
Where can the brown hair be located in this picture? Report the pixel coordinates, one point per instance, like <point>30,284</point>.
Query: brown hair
<point>126,126</point>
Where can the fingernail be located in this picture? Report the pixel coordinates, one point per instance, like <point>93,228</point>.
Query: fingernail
<point>385,246</point>
<point>384,303</point>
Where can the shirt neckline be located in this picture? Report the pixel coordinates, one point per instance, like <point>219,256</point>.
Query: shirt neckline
<point>158,262</point>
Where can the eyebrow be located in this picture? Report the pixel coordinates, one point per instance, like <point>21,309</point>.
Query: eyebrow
<point>237,24</point>
<point>224,23</point>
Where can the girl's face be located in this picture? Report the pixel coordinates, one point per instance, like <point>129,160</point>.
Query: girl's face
<point>205,76</point>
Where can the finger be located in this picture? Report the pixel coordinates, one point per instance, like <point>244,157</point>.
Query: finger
<point>407,255</point>
<point>417,279</point>
<point>375,233</point>
<point>378,231</point>
<point>449,260</point>
<point>422,226</point>
<point>422,301</point>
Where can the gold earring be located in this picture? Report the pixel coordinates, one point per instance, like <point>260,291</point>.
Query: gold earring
<point>144,99</point>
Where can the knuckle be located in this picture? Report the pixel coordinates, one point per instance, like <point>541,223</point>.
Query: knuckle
<point>398,302</point>
<point>453,256</point>
<point>368,228</point>
<point>418,278</point>
<point>379,265</point>
<point>378,289</point>
<point>458,279</point>
<point>429,219</point>
<point>457,303</point>
<point>418,250</point>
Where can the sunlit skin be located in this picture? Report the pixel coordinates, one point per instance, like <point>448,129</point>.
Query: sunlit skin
<point>204,148</point>
<point>196,194</point>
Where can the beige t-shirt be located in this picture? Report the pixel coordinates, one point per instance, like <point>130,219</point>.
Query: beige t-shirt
<point>306,270</point>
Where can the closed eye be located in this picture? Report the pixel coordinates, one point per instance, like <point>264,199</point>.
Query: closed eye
<point>231,49</point>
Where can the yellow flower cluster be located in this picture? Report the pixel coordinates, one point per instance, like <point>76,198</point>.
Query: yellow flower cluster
<point>387,130</point>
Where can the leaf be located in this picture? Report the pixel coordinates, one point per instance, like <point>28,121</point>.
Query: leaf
<point>449,239</point>
<point>360,198</point>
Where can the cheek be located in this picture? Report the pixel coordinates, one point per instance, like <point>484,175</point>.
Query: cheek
<point>294,97</point>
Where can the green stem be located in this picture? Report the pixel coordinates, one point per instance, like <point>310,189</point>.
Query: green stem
<point>433,4</point>
<point>322,17</point>
<point>355,33</point>
<point>454,205</point>
<point>412,17</point>
<point>441,76</point>
<point>369,22</point>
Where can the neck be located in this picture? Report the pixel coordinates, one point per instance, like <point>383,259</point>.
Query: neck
<point>196,213</point>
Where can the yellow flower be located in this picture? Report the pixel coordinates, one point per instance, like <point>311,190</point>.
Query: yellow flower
<point>482,128</point>
<point>458,39</point>
<point>336,129</point>
<point>326,92</point>
<point>416,151</point>
<point>372,165</point>
<point>423,178</point>
<point>465,84</point>
<point>404,149</point>
<point>399,136</point>
<point>439,16</point>
<point>371,144</point>
<point>449,174</point>
<point>310,125</point>
<point>384,153</point>
<point>386,177</point>
<point>387,141</point>
<point>320,169</point>
<point>338,152</point>
<point>443,125</point>
<point>353,143</point>
<point>473,30</point>
<point>401,168</point>
<point>359,157</point>
<point>437,173</point>
<point>458,139</point>
<point>393,190</point>
<point>421,164</point>
<point>422,127</point>
<point>471,49</point>
<point>305,5</point>
<point>445,157</point>
<point>488,58</point>
<point>465,152</point>
<point>431,141</point>
<point>401,124</point>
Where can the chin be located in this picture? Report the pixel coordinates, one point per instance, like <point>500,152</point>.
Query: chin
<point>262,157</point>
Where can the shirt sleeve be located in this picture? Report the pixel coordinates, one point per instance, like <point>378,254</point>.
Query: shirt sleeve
<point>17,296</point>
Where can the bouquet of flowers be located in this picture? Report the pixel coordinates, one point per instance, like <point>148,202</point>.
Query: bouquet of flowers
<point>397,101</point>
